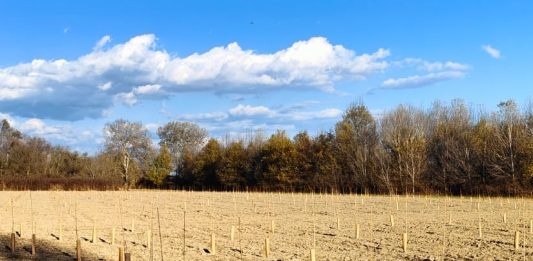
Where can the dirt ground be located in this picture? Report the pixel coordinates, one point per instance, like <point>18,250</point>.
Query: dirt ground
<point>301,222</point>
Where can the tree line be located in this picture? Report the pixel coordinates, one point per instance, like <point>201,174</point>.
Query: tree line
<point>447,148</point>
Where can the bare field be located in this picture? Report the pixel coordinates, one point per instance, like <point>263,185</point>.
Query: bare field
<point>437,228</point>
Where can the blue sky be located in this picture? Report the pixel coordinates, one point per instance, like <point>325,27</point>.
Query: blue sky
<point>68,67</point>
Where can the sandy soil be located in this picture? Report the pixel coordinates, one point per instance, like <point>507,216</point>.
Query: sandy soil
<point>300,221</point>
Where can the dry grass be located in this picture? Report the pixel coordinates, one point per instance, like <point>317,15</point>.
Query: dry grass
<point>300,221</point>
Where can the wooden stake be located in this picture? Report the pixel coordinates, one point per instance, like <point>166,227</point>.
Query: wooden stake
<point>480,232</point>
<point>20,229</point>
<point>404,242</point>
<point>13,243</point>
<point>504,218</point>
<point>12,217</point>
<point>78,249</point>
<point>120,253</point>
<point>112,235</point>
<point>184,215</point>
<point>160,235</point>
<point>272,226</point>
<point>517,240</point>
<point>232,234</point>
<point>31,214</point>
<point>148,238</point>
<point>151,249</point>
<point>33,245</point>
<point>93,238</point>
<point>132,224</point>
<point>392,220</point>
<point>60,229</point>
<point>338,223</point>
<point>267,247</point>
<point>313,258</point>
<point>213,244</point>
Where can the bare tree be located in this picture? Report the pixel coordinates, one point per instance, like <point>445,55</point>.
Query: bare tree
<point>128,140</point>
<point>179,137</point>
<point>404,133</point>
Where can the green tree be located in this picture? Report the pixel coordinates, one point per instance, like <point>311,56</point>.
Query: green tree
<point>357,139</point>
<point>326,169</point>
<point>160,167</point>
<point>234,166</point>
<point>277,169</point>
<point>206,165</point>
<point>305,159</point>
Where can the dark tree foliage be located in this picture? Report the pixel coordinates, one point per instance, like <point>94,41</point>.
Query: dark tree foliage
<point>448,149</point>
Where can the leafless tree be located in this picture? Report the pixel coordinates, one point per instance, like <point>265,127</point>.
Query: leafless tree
<point>128,140</point>
<point>404,133</point>
<point>179,137</point>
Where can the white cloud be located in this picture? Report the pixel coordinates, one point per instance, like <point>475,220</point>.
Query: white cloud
<point>248,110</point>
<point>217,116</point>
<point>102,42</point>
<point>421,80</point>
<point>433,72</point>
<point>8,118</point>
<point>128,98</point>
<point>90,84</point>
<point>433,66</point>
<point>106,86</point>
<point>148,89</point>
<point>152,126</point>
<point>131,98</point>
<point>242,126</point>
<point>322,114</point>
<point>294,113</point>
<point>64,134</point>
<point>493,52</point>
<point>38,127</point>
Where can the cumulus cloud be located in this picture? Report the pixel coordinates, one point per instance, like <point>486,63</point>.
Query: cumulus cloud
<point>38,127</point>
<point>126,73</point>
<point>91,84</point>
<point>65,134</point>
<point>248,110</point>
<point>493,52</point>
<point>321,114</point>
